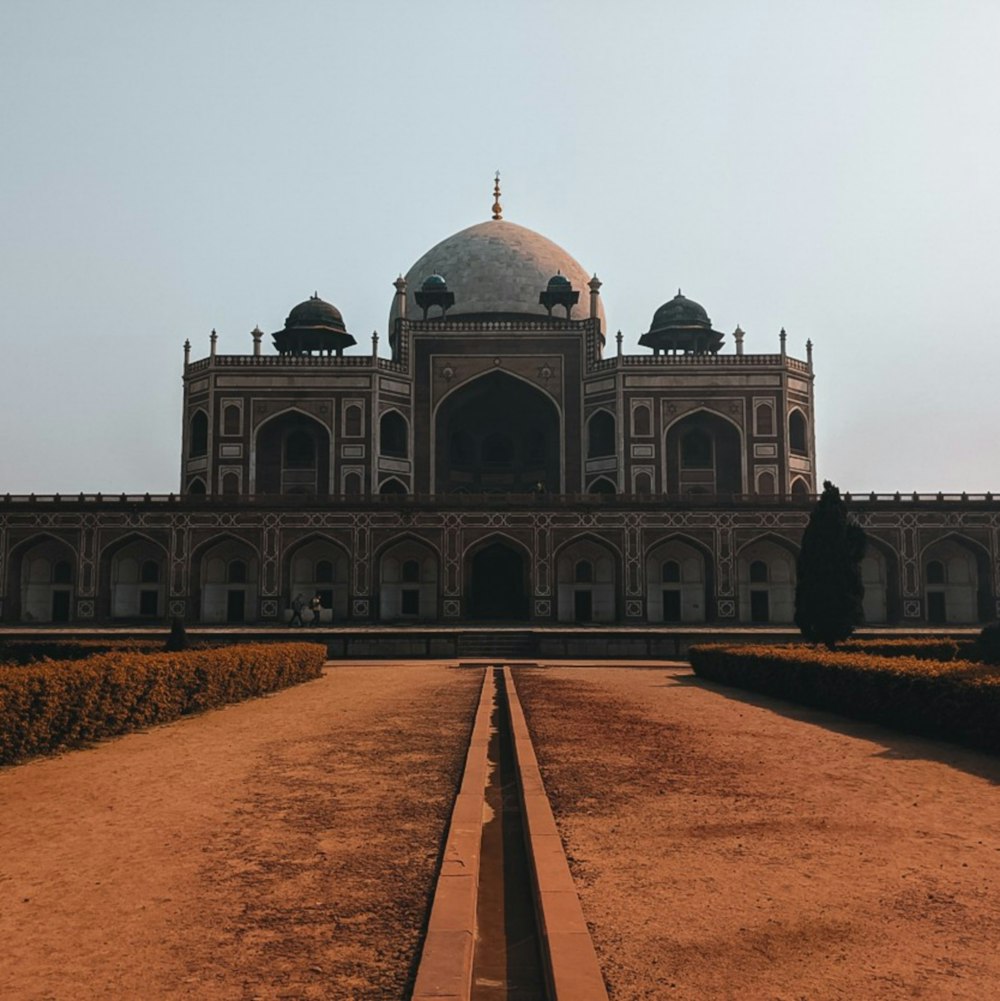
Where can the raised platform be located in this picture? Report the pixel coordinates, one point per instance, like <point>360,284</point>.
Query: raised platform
<point>482,640</point>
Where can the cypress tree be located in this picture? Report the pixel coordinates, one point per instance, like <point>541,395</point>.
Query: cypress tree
<point>829,592</point>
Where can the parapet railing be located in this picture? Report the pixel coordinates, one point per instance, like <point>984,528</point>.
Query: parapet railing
<point>488,501</point>
<point>294,361</point>
<point>695,360</point>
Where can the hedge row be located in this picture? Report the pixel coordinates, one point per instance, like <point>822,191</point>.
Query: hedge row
<point>957,700</point>
<point>30,651</point>
<point>907,646</point>
<point>50,705</point>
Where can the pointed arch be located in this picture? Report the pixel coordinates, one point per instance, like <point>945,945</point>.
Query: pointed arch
<point>601,434</point>
<point>317,564</point>
<point>591,596</point>
<point>723,471</point>
<point>198,434</point>
<point>291,454</point>
<point>394,434</point>
<point>692,597</point>
<point>400,598</point>
<point>122,593</point>
<point>36,593</point>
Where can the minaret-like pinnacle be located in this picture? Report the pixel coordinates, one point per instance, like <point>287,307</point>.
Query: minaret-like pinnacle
<point>497,207</point>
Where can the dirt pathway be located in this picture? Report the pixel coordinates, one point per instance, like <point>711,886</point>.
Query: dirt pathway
<point>727,846</point>
<point>281,848</point>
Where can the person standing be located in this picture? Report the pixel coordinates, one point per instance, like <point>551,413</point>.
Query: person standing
<point>297,605</point>
<point>316,606</point>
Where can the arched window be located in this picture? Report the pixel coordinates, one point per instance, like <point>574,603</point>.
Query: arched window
<point>765,484</point>
<point>198,444</point>
<point>584,572</point>
<point>352,422</point>
<point>601,435</point>
<point>392,486</point>
<point>324,572</point>
<point>671,573</point>
<point>765,418</point>
<point>300,450</point>
<point>197,487</point>
<point>149,573</point>
<point>643,484</point>
<point>498,451</point>
<point>62,572</point>
<point>352,485</point>
<point>230,485</point>
<point>641,423</point>
<point>797,436</point>
<point>758,572</point>
<point>411,572</point>
<point>393,435</point>
<point>231,420</point>
<point>696,450</point>
<point>236,572</point>
<point>602,486</point>
<point>800,488</point>
<point>935,572</point>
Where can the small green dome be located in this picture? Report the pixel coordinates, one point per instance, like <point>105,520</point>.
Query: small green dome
<point>558,280</point>
<point>432,282</point>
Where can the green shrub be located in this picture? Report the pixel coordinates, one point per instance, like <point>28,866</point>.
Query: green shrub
<point>49,705</point>
<point>956,700</point>
<point>905,646</point>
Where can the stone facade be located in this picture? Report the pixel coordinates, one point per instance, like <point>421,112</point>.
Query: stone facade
<point>500,465</point>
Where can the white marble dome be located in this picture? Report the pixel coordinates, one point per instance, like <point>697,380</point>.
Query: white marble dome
<point>497,267</point>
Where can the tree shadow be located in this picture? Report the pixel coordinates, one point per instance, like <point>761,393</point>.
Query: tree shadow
<point>897,744</point>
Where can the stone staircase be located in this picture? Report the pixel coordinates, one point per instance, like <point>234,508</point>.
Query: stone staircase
<point>503,645</point>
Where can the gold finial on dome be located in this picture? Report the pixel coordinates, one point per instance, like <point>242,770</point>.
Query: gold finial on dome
<point>497,207</point>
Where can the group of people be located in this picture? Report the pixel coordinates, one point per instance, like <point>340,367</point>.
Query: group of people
<point>299,604</point>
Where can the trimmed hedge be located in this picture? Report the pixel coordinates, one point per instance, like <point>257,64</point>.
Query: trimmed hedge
<point>905,646</point>
<point>56,704</point>
<point>957,700</point>
<point>30,651</point>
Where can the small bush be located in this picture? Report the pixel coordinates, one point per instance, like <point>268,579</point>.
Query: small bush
<point>956,700</point>
<point>49,705</point>
<point>988,644</point>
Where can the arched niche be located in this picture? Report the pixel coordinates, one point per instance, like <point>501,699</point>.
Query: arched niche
<point>408,581</point>
<point>586,581</point>
<point>798,433</point>
<point>227,575</point>
<point>393,435</point>
<point>498,582</point>
<point>677,582</point>
<point>497,434</point>
<point>602,485</point>
<point>955,573</point>
<point>292,456</point>
<point>766,574</point>
<point>45,569</point>
<point>134,572</point>
<point>317,567</point>
<point>601,435</point>
<point>198,435</point>
<point>880,576</point>
<point>704,454</point>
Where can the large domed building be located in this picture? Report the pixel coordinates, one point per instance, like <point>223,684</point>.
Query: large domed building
<point>502,464</point>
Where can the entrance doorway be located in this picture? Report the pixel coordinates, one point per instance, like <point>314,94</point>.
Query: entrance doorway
<point>235,606</point>
<point>498,590</point>
<point>760,606</point>
<point>60,606</point>
<point>583,606</point>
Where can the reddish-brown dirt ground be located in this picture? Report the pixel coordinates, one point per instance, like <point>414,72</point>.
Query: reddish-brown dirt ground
<point>280,848</point>
<point>728,846</point>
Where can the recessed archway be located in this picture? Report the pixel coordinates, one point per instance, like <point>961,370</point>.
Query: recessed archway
<point>498,582</point>
<point>704,454</point>
<point>292,456</point>
<point>497,434</point>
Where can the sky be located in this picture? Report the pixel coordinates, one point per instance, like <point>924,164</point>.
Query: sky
<point>171,167</point>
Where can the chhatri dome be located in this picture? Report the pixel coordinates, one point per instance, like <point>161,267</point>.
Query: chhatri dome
<point>496,269</point>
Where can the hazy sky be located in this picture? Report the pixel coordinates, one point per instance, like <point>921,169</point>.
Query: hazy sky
<point>166,168</point>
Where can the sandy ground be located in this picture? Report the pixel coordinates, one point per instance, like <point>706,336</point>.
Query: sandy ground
<point>281,848</point>
<point>730,846</point>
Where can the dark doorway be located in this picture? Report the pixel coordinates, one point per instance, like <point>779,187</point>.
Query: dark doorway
<point>498,584</point>
<point>583,606</point>
<point>760,606</point>
<point>149,602</point>
<point>60,606</point>
<point>235,606</point>
<point>671,606</point>
<point>937,613</point>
